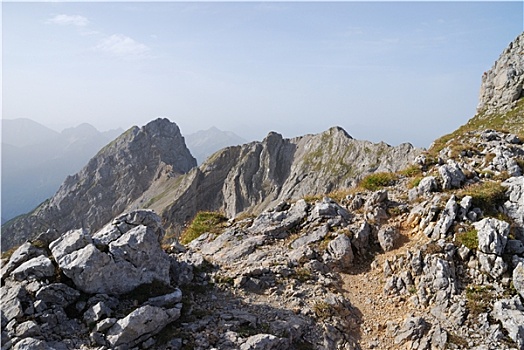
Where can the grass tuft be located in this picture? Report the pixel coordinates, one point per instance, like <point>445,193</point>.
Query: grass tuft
<point>377,181</point>
<point>204,221</point>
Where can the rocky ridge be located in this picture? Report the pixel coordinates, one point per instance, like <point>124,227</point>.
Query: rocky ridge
<point>432,258</point>
<point>106,186</point>
<point>252,177</point>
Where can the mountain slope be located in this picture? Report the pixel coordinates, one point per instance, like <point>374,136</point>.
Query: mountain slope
<point>111,180</point>
<point>256,175</point>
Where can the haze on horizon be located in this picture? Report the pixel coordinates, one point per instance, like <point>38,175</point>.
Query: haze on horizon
<point>384,71</point>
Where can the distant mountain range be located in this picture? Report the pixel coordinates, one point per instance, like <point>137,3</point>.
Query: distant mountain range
<point>37,159</point>
<point>204,143</point>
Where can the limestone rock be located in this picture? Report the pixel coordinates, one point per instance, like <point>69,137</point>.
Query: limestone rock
<point>339,250</point>
<point>502,84</point>
<point>387,237</point>
<point>451,175</point>
<point>492,235</point>
<point>134,258</point>
<point>39,267</point>
<point>518,278</point>
<point>264,342</point>
<point>510,313</point>
<point>140,325</point>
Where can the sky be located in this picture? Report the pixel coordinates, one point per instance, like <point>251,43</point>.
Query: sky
<point>384,71</point>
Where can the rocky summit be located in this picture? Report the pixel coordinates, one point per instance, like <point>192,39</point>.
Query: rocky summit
<point>426,252</point>
<point>106,186</point>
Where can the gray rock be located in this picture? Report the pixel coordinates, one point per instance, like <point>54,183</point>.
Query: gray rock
<point>493,265</point>
<point>166,300</point>
<point>361,238</point>
<point>518,278</point>
<point>451,175</point>
<point>28,329</point>
<point>492,235</point>
<point>514,246</point>
<point>312,237</point>
<point>464,207</point>
<point>31,344</point>
<point>328,208</point>
<point>339,251</point>
<point>502,84</point>
<point>135,258</point>
<point>140,325</point>
<point>39,267</point>
<point>96,312</point>
<point>57,294</point>
<point>514,206</point>
<point>69,242</point>
<point>387,237</point>
<point>23,253</point>
<point>412,329</point>
<point>510,313</point>
<point>277,223</point>
<point>264,342</point>
<point>427,185</point>
<point>447,217</point>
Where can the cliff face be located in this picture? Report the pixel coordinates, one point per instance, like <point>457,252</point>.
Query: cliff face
<point>260,174</point>
<point>502,85</point>
<point>113,179</point>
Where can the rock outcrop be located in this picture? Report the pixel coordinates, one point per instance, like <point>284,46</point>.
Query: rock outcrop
<point>258,175</point>
<point>502,85</point>
<point>119,174</point>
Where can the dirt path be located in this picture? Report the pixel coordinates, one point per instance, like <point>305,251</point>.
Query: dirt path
<point>365,290</point>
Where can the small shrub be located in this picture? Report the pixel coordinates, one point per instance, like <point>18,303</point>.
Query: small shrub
<point>468,239</point>
<point>322,310</point>
<point>203,222</point>
<point>376,181</point>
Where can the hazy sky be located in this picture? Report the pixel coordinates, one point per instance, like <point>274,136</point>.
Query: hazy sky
<point>391,71</point>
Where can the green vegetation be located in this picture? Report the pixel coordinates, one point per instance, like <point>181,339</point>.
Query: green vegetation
<point>411,171</point>
<point>376,181</point>
<point>322,310</point>
<point>204,221</point>
<point>478,299</point>
<point>487,195</point>
<point>511,121</point>
<point>468,239</point>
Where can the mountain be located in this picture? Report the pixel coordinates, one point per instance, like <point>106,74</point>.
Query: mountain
<point>254,176</point>
<point>426,257</point>
<point>204,143</point>
<point>36,159</point>
<point>25,132</point>
<point>111,180</point>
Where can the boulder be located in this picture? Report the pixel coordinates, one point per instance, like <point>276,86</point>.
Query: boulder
<point>339,251</point>
<point>141,324</point>
<point>133,259</point>
<point>492,235</point>
<point>39,267</point>
<point>451,175</point>
<point>510,313</point>
<point>387,237</point>
<point>57,294</point>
